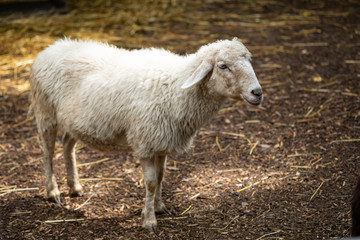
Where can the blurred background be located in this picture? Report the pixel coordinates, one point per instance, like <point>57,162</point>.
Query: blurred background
<point>285,170</point>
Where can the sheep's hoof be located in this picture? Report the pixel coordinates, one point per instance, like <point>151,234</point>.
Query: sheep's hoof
<point>161,208</point>
<point>54,196</point>
<point>76,191</point>
<point>76,194</point>
<point>150,225</point>
<point>55,199</point>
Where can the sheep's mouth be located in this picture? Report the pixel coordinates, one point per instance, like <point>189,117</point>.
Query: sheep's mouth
<point>253,102</point>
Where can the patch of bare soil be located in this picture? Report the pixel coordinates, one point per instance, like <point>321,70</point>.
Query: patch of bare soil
<point>285,170</point>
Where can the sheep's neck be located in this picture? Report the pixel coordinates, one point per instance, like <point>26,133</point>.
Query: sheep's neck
<point>197,106</point>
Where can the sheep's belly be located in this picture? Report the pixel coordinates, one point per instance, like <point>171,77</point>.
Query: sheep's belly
<point>117,143</point>
<point>109,147</point>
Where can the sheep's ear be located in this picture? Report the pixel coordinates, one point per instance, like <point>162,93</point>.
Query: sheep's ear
<point>199,74</point>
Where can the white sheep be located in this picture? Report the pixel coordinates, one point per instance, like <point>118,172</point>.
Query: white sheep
<point>148,101</point>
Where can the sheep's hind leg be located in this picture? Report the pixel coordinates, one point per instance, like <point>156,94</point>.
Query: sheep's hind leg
<point>70,162</point>
<point>48,137</point>
<point>150,180</point>
<point>160,163</point>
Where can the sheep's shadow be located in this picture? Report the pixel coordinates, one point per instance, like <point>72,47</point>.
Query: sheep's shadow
<point>23,217</point>
<point>34,217</point>
<point>36,208</point>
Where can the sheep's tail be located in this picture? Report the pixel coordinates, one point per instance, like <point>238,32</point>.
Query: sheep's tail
<point>30,113</point>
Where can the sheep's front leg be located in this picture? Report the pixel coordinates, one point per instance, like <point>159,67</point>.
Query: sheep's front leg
<point>70,162</point>
<point>160,163</point>
<point>150,179</point>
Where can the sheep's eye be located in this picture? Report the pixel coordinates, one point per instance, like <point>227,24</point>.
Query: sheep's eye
<point>223,66</point>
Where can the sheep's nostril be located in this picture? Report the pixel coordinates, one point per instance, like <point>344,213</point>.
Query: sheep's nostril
<point>257,92</point>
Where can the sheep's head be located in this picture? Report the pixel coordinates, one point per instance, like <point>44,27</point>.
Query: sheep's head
<point>227,69</point>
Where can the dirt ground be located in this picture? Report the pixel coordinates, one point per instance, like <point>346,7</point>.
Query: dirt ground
<point>284,170</point>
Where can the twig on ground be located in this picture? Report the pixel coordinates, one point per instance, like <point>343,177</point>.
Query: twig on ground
<point>21,123</point>
<point>218,144</point>
<point>253,121</point>
<point>252,185</point>
<point>174,218</point>
<point>253,147</point>
<point>296,155</point>
<point>230,170</point>
<point>64,220</point>
<point>317,190</point>
<point>268,234</point>
<point>345,140</point>
<point>316,161</point>
<point>234,134</point>
<point>352,61</point>
<point>6,191</point>
<point>83,204</point>
<point>306,120</point>
<point>186,210</point>
<point>195,196</point>
<point>98,161</point>
<point>223,228</point>
<point>296,166</point>
<point>7,187</point>
<point>101,179</point>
